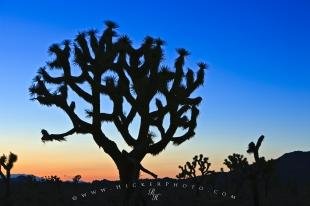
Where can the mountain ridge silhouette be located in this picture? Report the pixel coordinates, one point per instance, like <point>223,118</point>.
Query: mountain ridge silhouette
<point>294,167</point>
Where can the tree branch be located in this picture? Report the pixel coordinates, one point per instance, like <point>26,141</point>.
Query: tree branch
<point>123,129</point>
<point>58,137</point>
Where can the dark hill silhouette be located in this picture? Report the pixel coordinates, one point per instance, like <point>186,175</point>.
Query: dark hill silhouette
<point>21,178</point>
<point>294,167</point>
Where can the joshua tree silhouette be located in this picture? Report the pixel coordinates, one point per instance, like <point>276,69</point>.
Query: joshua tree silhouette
<point>254,174</point>
<point>7,163</point>
<point>189,169</point>
<point>134,80</point>
<point>238,166</point>
<point>236,162</point>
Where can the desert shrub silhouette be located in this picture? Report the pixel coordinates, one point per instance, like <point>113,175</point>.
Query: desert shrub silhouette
<point>238,166</point>
<point>54,179</point>
<point>76,179</point>
<point>7,163</point>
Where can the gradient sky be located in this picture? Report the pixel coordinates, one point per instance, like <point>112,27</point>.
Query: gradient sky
<point>258,80</point>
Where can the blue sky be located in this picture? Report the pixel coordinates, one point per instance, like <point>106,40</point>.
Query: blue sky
<point>258,79</point>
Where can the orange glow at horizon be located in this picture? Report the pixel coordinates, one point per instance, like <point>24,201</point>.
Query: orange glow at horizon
<point>90,173</point>
<point>96,166</point>
<point>80,156</point>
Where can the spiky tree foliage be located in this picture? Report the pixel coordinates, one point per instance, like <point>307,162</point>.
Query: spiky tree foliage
<point>129,76</point>
<point>236,162</point>
<point>204,164</point>
<point>7,163</point>
<point>187,171</point>
<point>200,164</point>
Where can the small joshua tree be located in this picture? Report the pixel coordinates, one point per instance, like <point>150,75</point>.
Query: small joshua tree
<point>189,169</point>
<point>137,85</point>
<point>238,165</point>
<point>76,179</point>
<point>236,162</point>
<point>7,163</point>
<point>256,168</point>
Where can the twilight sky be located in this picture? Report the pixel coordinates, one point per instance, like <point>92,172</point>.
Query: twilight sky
<point>258,80</point>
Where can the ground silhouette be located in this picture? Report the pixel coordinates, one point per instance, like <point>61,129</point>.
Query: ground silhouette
<point>285,189</point>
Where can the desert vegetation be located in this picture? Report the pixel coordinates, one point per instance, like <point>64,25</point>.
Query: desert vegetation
<point>112,67</point>
<point>103,78</point>
<point>250,182</point>
<point>234,187</point>
<point>7,164</point>
<point>126,75</point>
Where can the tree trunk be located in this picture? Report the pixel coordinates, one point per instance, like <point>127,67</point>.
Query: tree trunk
<point>266,187</point>
<point>129,171</point>
<point>7,183</point>
<point>255,192</point>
